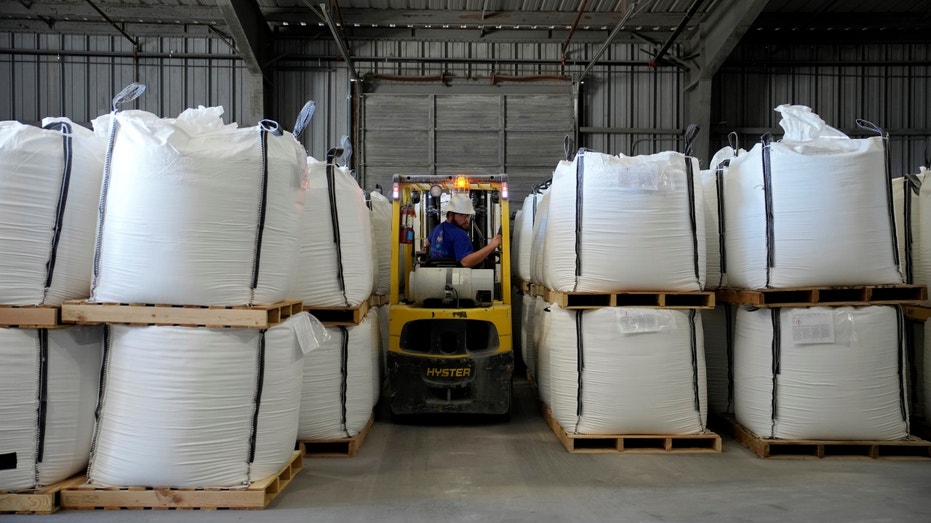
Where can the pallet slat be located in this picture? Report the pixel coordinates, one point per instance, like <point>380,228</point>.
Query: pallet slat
<point>708,442</point>
<point>656,299</point>
<point>45,500</point>
<point>808,296</point>
<point>337,448</point>
<point>255,317</point>
<point>30,316</point>
<point>339,316</point>
<point>256,496</point>
<point>909,448</point>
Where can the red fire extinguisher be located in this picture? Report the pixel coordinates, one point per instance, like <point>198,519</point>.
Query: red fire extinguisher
<point>407,224</point>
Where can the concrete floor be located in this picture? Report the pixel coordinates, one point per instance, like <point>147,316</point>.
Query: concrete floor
<point>518,471</point>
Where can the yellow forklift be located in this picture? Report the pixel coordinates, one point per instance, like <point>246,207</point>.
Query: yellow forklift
<point>450,345</point>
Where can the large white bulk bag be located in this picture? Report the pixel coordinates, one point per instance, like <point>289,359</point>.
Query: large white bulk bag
<point>620,370</point>
<point>381,224</point>
<point>194,211</point>
<point>336,268</point>
<point>337,397</point>
<point>48,393</point>
<point>718,328</point>
<point>821,216</point>
<point>528,322</point>
<point>539,233</point>
<point>49,190</point>
<point>542,330</point>
<point>198,407</point>
<point>824,373</point>
<point>521,257</point>
<point>631,223</point>
<point>712,181</point>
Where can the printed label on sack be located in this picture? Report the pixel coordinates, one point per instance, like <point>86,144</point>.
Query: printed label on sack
<point>634,321</point>
<point>644,177</point>
<point>809,327</point>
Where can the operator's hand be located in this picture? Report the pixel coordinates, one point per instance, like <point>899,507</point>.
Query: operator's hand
<point>495,242</point>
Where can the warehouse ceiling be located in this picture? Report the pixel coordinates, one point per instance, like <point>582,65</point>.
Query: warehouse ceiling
<point>867,18</point>
<point>248,25</point>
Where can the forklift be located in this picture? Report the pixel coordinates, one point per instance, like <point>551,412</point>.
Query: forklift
<point>450,344</point>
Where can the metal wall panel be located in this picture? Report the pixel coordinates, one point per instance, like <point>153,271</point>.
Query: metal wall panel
<point>888,85</point>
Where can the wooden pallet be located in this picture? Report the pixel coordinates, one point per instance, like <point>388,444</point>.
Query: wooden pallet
<point>254,317</point>
<point>254,497</point>
<point>707,443</point>
<point>523,286</point>
<point>339,316</point>
<point>377,300</point>
<point>909,448</point>
<point>857,295</point>
<point>917,313</point>
<point>654,299</point>
<point>30,316</point>
<point>337,448</point>
<point>45,500</point>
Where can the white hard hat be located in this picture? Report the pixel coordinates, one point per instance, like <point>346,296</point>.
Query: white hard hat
<point>460,203</point>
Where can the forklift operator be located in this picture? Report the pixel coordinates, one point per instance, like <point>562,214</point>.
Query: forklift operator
<point>450,240</point>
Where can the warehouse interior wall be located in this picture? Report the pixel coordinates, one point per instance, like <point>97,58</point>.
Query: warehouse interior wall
<point>623,106</point>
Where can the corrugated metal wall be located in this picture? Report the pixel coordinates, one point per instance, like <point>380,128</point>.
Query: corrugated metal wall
<point>624,107</point>
<point>888,85</point>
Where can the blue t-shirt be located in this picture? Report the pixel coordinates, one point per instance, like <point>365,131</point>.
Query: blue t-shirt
<point>449,241</point>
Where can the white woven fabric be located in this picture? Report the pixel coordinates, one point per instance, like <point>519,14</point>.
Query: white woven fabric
<point>539,235</point>
<point>181,213</point>
<point>640,225</point>
<point>709,181</point>
<point>322,398</point>
<point>381,224</point>
<point>32,172</point>
<point>521,257</point>
<point>179,404</point>
<point>838,375</point>
<point>73,374</point>
<point>318,282</point>
<point>831,220</point>
<point>639,374</point>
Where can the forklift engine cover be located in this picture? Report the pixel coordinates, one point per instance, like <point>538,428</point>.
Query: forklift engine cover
<point>452,287</point>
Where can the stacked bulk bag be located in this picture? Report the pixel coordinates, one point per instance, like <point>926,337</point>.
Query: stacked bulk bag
<point>49,190</point>
<point>336,268</point>
<point>906,192</point>
<point>821,373</point>
<point>631,223</point>
<point>381,225</point>
<point>48,386</point>
<point>619,370</point>
<point>522,246</point>
<point>195,211</point>
<point>813,209</point>
<point>718,328</point>
<point>712,181</point>
<point>539,233</point>
<point>337,396</point>
<point>199,407</point>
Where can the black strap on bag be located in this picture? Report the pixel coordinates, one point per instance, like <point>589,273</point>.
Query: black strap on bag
<point>579,180</point>
<point>900,321</point>
<point>691,132</point>
<point>863,124</point>
<point>776,365</point>
<point>344,380</point>
<point>729,350</point>
<point>694,345</point>
<point>690,181</point>
<point>767,140</point>
<point>580,365</point>
<point>101,393</point>
<point>259,386</point>
<point>67,155</point>
<point>910,185</point>
<point>722,249</point>
<point>128,94</point>
<point>334,219</point>
<point>265,127</point>
<point>42,414</point>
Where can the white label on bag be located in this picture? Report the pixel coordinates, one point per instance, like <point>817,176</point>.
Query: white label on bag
<point>809,327</point>
<point>631,322</point>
